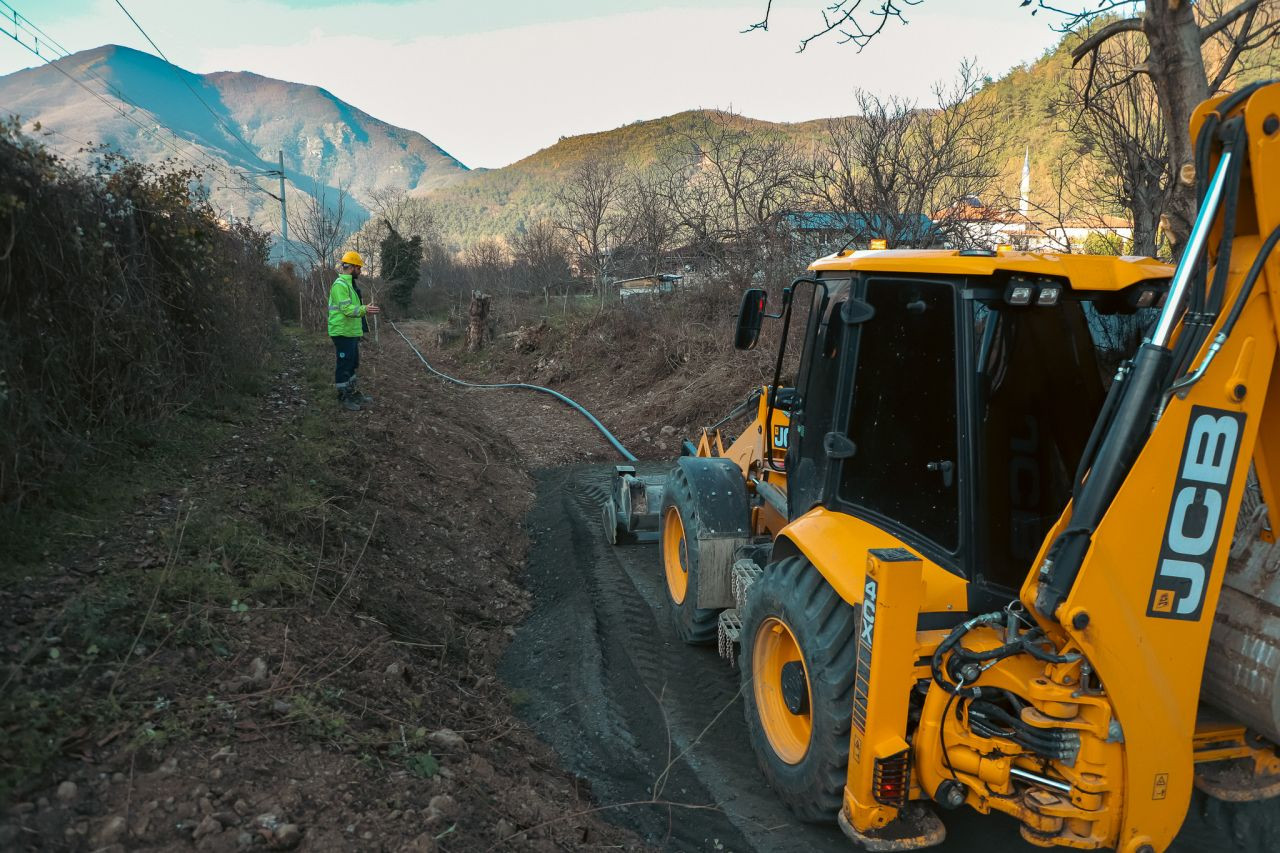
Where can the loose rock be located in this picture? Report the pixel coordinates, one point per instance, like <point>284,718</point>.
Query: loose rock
<point>67,792</point>
<point>442,807</point>
<point>111,831</point>
<point>424,843</point>
<point>448,739</point>
<point>286,836</point>
<point>208,826</point>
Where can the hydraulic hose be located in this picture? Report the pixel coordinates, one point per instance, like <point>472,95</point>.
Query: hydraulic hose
<point>617,445</point>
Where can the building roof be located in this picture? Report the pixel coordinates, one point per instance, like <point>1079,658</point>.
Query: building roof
<point>865,224</point>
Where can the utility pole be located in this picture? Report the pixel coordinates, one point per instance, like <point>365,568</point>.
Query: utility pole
<point>284,218</point>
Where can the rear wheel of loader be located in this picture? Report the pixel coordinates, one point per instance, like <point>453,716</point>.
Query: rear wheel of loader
<point>798,653</point>
<point>678,538</point>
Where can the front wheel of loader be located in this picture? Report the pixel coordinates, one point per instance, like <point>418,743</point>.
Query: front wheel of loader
<point>798,653</point>
<point>679,526</point>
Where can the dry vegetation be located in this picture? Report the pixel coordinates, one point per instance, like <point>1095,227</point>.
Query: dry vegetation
<point>124,298</point>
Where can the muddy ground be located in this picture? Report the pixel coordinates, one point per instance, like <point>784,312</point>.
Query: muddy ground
<point>287,636</point>
<point>393,630</point>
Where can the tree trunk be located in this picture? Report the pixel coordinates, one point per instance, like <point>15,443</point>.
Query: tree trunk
<point>1177,73</point>
<point>477,320</point>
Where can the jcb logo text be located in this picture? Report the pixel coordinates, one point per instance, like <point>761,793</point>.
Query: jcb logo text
<point>1196,513</point>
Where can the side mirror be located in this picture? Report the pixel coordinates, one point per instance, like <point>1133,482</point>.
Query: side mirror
<point>750,315</point>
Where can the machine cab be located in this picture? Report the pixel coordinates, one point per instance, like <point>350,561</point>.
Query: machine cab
<point>952,409</point>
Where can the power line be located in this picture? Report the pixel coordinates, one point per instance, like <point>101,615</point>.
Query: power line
<point>22,26</point>
<point>179,74</point>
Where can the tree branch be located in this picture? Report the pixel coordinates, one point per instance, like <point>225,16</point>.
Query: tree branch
<point>1095,41</point>
<point>1229,61</point>
<point>1227,18</point>
<point>763,23</point>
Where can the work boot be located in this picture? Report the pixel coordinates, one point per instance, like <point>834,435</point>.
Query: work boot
<point>361,398</point>
<point>347,400</point>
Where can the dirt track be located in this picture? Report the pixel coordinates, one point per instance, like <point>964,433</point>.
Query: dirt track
<point>655,726</point>
<point>605,682</point>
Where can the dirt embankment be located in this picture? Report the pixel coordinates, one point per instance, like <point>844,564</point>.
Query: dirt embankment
<point>642,366</point>
<point>289,638</point>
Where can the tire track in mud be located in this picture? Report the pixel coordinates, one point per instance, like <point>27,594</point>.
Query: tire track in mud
<point>596,656</point>
<point>607,684</point>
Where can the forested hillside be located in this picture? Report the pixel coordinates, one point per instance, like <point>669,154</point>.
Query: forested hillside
<point>496,203</point>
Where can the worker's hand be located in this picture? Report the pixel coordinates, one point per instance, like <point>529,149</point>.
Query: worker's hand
<point>372,309</point>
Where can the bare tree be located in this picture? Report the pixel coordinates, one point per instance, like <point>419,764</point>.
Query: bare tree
<point>540,257</point>
<point>590,217</point>
<point>317,224</point>
<point>649,224</point>
<point>906,174</point>
<point>1114,116</point>
<point>393,209</point>
<point>728,186</point>
<point>318,230</point>
<point>486,265</point>
<point>1175,32</point>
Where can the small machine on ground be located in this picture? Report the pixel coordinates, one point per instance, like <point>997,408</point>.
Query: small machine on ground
<point>1007,542</point>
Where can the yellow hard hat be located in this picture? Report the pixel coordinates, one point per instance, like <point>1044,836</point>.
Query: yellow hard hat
<point>353,258</point>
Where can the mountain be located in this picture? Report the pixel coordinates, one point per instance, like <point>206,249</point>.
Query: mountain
<point>327,142</point>
<point>497,202</point>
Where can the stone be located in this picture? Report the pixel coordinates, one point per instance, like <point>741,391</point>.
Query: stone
<point>245,839</point>
<point>241,808</point>
<point>395,669</point>
<point>668,430</point>
<point>448,740</point>
<point>257,671</point>
<point>286,836</point>
<point>110,832</point>
<point>505,828</point>
<point>208,826</point>
<point>424,843</point>
<point>443,807</point>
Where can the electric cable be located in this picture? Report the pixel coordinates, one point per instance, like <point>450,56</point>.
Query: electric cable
<point>179,74</point>
<point>23,25</point>
<point>617,445</point>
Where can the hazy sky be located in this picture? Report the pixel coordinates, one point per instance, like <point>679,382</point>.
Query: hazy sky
<point>494,81</point>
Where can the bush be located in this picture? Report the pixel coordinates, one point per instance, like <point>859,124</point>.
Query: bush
<point>122,297</point>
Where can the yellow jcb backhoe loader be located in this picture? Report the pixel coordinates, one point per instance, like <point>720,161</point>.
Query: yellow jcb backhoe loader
<point>1008,541</point>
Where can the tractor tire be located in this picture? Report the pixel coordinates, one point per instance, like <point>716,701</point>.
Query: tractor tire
<point>799,645</point>
<point>678,531</point>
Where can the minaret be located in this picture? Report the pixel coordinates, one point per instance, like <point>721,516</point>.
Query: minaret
<point>1025,189</point>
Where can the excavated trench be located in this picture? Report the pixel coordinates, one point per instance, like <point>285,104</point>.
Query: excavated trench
<point>656,727</point>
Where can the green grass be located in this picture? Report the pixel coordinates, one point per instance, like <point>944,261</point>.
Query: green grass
<point>231,549</point>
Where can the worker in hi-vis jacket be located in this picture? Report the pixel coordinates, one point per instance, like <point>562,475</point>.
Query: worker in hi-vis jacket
<point>346,327</point>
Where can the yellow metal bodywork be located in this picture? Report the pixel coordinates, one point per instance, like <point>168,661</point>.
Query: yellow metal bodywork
<point>838,545</point>
<point>1085,272</point>
<point>1128,677</point>
<point>1152,666</point>
<point>882,683</point>
<point>752,452</point>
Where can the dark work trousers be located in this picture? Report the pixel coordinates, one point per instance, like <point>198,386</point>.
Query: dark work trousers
<point>347,351</point>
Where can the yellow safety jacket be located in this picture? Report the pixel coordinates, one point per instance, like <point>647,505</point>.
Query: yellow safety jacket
<point>345,309</point>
